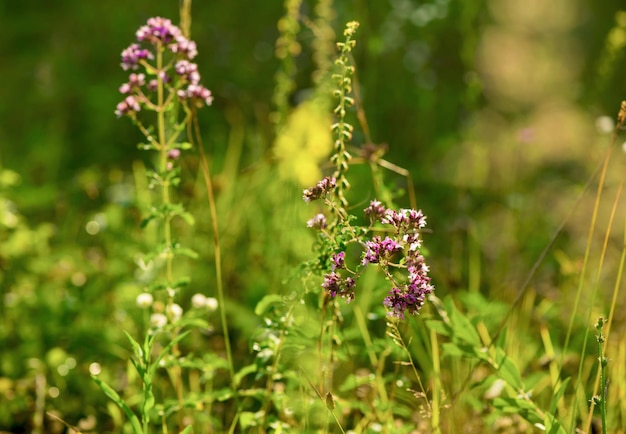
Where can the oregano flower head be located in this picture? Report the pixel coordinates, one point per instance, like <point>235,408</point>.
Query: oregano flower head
<point>397,255</point>
<point>165,54</point>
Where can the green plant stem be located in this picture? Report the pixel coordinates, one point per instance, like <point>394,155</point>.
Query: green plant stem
<point>218,263</point>
<point>399,340</point>
<point>602,387</point>
<point>162,147</point>
<point>167,228</point>
<point>374,360</point>
<point>270,380</point>
<point>435,405</point>
<point>592,226</point>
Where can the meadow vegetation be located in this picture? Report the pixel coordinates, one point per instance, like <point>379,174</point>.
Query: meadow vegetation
<point>354,247</point>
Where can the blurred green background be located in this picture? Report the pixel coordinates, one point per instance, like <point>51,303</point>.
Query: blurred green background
<point>495,107</point>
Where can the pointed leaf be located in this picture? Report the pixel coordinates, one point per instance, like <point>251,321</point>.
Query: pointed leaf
<point>266,303</point>
<point>113,395</point>
<point>165,351</point>
<point>136,347</point>
<point>243,372</point>
<point>556,397</point>
<point>462,327</point>
<point>508,371</point>
<point>189,219</point>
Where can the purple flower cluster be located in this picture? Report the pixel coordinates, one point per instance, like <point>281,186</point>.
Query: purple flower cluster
<point>160,35</point>
<point>320,189</point>
<point>403,220</point>
<point>317,222</point>
<point>133,54</point>
<point>334,283</point>
<point>410,296</point>
<point>378,249</point>
<point>403,247</point>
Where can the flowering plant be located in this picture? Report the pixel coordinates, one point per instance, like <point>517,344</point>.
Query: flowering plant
<point>173,78</point>
<point>168,81</point>
<point>399,251</point>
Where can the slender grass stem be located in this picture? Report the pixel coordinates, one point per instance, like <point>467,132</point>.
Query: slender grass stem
<point>218,262</point>
<point>604,248</point>
<point>621,119</point>
<point>436,394</point>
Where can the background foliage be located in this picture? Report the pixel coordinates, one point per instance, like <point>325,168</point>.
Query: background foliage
<point>491,105</point>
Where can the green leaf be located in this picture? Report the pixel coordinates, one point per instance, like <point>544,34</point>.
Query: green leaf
<point>193,322</point>
<point>462,327</point>
<point>526,409</point>
<point>185,145</point>
<point>187,430</point>
<point>186,252</point>
<point>508,372</point>
<point>558,394</point>
<point>453,350</point>
<point>189,219</point>
<point>136,347</point>
<point>183,281</point>
<point>438,326</point>
<point>144,222</point>
<point>266,303</point>
<point>138,367</point>
<point>552,425</point>
<point>248,419</point>
<point>113,395</point>
<point>243,372</point>
<point>146,146</point>
<point>154,366</point>
<point>223,394</point>
<point>149,400</point>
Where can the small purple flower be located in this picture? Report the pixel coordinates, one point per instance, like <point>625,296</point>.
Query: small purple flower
<point>134,81</point>
<point>125,88</point>
<point>416,218</point>
<point>390,246</point>
<point>187,69</point>
<point>317,222</point>
<point>404,219</point>
<point>338,261</point>
<point>412,240</point>
<point>377,249</point>
<point>332,283</point>
<point>409,299</point>
<point>129,105</point>
<point>157,30</point>
<point>372,252</point>
<point>321,188</point>
<point>196,93</point>
<point>137,80</point>
<point>132,55</point>
<point>335,285</point>
<point>393,217</point>
<point>173,154</point>
<point>375,211</point>
<point>163,35</point>
<point>184,46</point>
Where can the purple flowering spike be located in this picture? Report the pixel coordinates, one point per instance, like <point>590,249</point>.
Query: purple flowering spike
<point>180,75</point>
<point>132,55</point>
<point>338,261</point>
<point>317,222</point>
<point>375,211</point>
<point>321,188</point>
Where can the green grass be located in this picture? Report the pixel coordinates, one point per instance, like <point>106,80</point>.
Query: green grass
<point>524,242</point>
